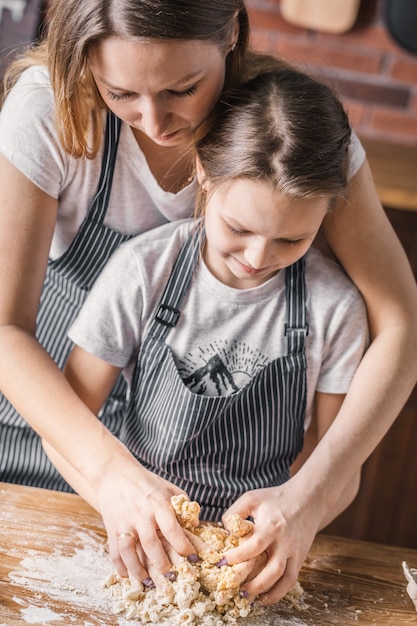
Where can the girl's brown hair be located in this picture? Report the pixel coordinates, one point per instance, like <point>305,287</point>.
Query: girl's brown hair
<point>75,25</point>
<point>283,127</point>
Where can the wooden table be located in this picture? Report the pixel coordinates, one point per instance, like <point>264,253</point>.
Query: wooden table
<point>345,582</point>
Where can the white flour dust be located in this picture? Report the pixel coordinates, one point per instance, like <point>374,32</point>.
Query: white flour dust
<point>75,581</point>
<point>69,590</point>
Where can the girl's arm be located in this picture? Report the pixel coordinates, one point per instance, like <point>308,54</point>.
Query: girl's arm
<point>129,497</point>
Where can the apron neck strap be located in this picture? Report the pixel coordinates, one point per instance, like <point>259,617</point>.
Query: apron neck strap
<point>296,328</point>
<point>168,311</point>
<point>99,204</point>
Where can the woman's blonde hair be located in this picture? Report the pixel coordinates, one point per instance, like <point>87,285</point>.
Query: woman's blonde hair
<point>75,25</point>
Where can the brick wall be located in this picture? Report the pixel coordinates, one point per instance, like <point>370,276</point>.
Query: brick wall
<point>375,76</point>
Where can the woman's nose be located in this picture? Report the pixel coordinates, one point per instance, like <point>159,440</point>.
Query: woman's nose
<point>153,118</point>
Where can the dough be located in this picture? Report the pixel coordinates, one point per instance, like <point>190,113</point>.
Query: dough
<point>202,593</point>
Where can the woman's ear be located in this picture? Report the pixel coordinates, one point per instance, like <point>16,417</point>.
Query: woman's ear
<point>201,175</point>
<point>235,32</point>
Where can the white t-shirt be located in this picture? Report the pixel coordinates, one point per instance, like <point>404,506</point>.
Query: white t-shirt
<point>29,140</point>
<point>244,327</point>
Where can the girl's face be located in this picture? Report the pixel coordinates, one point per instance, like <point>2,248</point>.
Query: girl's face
<point>253,231</point>
<point>162,88</point>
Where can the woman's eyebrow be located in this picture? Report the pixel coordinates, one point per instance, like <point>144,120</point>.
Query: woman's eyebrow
<point>184,79</point>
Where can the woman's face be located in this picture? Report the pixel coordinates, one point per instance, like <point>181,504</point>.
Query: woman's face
<point>253,231</point>
<point>162,88</point>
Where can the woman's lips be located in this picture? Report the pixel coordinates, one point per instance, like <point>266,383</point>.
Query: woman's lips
<point>167,136</point>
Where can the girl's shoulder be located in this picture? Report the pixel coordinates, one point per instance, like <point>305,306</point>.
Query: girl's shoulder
<point>170,236</point>
<point>329,284</point>
<point>155,252</point>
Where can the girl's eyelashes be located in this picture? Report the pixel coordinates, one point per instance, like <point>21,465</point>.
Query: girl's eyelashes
<point>242,233</point>
<point>236,231</point>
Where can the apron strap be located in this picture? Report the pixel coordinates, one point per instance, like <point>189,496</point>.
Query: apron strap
<point>98,206</point>
<point>296,327</point>
<point>168,312</point>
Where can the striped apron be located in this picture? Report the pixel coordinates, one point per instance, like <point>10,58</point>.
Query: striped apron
<point>67,283</point>
<point>217,448</point>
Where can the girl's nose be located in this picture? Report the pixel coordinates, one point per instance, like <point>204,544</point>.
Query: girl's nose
<point>257,255</point>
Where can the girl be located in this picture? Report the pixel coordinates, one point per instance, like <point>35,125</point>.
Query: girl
<point>233,336</point>
<point>94,147</point>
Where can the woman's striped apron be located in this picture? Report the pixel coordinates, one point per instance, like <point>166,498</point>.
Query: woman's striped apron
<point>67,283</point>
<point>217,448</point>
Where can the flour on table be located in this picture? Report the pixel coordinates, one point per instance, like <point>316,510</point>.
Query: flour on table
<point>82,582</point>
<point>58,579</point>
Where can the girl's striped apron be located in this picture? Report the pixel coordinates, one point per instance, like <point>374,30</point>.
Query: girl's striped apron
<point>216,448</point>
<point>67,283</point>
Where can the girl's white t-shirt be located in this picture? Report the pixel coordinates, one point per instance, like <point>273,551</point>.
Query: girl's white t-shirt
<point>244,328</point>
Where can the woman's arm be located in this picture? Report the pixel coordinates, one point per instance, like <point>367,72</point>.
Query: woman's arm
<point>364,242</point>
<point>37,388</point>
<point>28,376</point>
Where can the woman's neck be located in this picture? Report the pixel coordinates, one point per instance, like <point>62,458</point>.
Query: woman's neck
<point>172,167</point>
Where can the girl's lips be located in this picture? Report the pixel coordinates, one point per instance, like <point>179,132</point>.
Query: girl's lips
<point>248,269</point>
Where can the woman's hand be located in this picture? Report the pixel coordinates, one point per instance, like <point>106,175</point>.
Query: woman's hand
<point>141,522</point>
<point>144,536</point>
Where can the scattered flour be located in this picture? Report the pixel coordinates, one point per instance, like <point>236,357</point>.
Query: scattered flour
<point>39,615</point>
<point>69,590</point>
<point>74,582</point>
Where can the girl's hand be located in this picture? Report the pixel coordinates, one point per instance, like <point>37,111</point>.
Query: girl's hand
<point>282,537</point>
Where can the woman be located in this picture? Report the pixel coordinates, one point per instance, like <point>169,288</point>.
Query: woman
<point>159,67</point>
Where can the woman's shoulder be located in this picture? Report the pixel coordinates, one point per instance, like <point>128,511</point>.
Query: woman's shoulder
<point>33,79</point>
<point>31,96</point>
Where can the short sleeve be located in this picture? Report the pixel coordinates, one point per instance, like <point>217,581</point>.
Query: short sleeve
<point>356,155</point>
<point>28,137</point>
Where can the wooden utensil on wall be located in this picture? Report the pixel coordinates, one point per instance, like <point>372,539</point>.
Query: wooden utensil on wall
<point>330,16</point>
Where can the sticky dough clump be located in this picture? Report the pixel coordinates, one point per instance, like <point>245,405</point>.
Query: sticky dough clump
<point>203,593</point>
